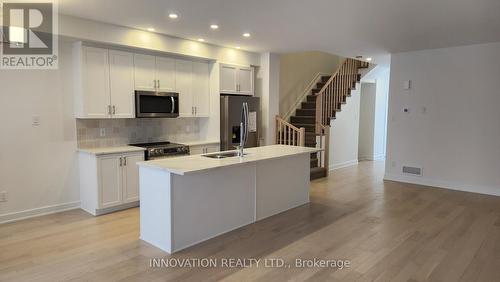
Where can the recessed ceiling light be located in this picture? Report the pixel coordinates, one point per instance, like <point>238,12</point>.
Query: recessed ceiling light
<point>237,47</point>
<point>173,16</point>
<point>246,34</point>
<point>214,26</point>
<point>201,39</point>
<point>151,29</point>
<point>368,59</point>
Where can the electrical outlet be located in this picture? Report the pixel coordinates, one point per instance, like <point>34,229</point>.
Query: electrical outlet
<point>102,132</point>
<point>3,196</point>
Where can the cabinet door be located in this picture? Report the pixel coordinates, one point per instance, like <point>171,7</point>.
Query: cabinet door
<point>245,81</point>
<point>110,181</point>
<point>201,89</point>
<point>144,71</point>
<point>96,83</point>
<point>165,74</point>
<point>228,79</point>
<point>121,80</point>
<point>184,83</point>
<point>131,177</point>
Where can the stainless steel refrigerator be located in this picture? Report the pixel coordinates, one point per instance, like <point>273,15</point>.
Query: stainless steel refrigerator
<point>231,118</point>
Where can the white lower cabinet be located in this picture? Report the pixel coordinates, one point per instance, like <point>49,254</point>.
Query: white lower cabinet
<point>203,149</point>
<point>109,182</point>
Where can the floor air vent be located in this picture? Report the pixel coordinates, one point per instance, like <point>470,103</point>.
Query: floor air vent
<point>415,171</point>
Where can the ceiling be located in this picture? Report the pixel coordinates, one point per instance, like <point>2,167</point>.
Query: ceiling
<point>344,27</point>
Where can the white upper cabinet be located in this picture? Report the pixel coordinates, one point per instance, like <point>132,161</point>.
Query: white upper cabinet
<point>144,70</point>
<point>228,81</point>
<point>184,84</point>
<point>245,80</point>
<point>165,74</point>
<point>121,78</point>
<point>154,73</point>
<point>236,80</point>
<point>192,83</point>
<point>106,81</point>
<point>201,89</point>
<point>94,98</point>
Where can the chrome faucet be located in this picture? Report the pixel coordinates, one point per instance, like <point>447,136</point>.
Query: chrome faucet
<point>243,130</point>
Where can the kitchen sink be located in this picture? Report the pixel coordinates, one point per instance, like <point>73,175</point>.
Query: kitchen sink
<point>222,155</point>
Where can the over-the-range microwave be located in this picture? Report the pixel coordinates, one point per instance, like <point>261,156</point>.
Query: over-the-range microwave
<point>150,104</point>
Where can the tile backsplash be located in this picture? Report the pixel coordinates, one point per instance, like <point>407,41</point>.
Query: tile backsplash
<point>128,131</point>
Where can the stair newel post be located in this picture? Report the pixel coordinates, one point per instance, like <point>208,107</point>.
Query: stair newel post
<point>302,137</point>
<point>327,149</point>
<point>277,131</point>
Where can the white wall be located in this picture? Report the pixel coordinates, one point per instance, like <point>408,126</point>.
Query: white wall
<point>297,70</point>
<point>367,121</point>
<point>38,166</point>
<point>268,78</point>
<point>452,129</point>
<point>345,132</point>
<point>381,107</point>
<point>373,114</point>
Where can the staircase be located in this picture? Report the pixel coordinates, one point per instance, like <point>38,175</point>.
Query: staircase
<point>317,111</point>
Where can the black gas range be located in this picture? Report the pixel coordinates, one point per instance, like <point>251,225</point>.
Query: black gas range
<point>160,150</point>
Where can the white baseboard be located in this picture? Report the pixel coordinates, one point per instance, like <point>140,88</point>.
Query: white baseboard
<point>372,158</point>
<point>15,216</point>
<point>343,164</point>
<point>494,191</point>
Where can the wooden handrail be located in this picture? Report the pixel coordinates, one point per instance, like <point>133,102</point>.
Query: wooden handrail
<point>288,134</point>
<point>335,91</point>
<point>328,102</point>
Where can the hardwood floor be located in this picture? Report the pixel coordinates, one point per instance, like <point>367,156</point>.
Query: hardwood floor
<point>388,231</point>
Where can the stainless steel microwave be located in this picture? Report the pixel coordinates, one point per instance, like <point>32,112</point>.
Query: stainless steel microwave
<point>150,104</point>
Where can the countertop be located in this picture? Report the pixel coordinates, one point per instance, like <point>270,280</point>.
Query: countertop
<point>198,163</point>
<point>111,150</point>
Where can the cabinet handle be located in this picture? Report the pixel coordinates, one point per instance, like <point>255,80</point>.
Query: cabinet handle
<point>124,161</point>
<point>109,109</point>
<point>158,84</point>
<point>114,109</point>
<point>121,161</point>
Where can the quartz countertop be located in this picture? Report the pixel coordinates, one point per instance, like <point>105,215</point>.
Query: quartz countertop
<point>198,163</point>
<point>111,150</point>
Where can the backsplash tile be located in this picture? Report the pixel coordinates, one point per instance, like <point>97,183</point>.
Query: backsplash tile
<point>128,131</point>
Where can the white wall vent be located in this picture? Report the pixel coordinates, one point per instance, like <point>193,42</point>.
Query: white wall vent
<point>410,170</point>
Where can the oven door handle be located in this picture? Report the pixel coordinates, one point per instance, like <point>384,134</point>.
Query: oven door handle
<point>173,104</point>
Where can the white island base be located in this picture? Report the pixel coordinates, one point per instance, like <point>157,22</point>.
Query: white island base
<point>182,205</point>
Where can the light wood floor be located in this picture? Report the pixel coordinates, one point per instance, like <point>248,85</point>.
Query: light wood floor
<point>389,231</point>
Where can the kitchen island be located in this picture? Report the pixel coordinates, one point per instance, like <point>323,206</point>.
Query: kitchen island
<point>187,200</point>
